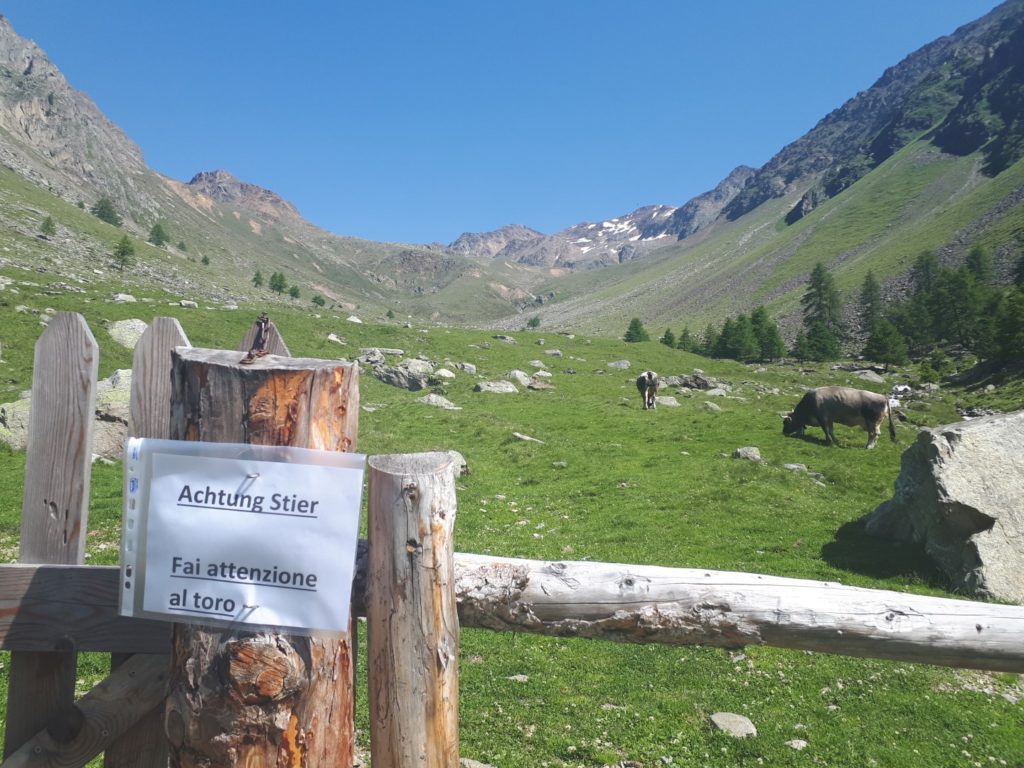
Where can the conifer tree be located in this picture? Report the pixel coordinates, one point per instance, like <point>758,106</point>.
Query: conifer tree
<point>123,252</point>
<point>821,302</point>
<point>686,342</point>
<point>48,227</point>
<point>636,331</point>
<point>158,235</point>
<point>103,209</point>
<point>769,340</point>
<point>668,338</point>
<point>257,279</point>
<point>886,344</point>
<point>870,302</point>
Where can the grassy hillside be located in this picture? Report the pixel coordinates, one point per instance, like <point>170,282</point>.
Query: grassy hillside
<point>919,199</point>
<point>611,482</point>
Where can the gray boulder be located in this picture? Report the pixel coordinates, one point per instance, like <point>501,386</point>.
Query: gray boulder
<point>127,332</point>
<point>437,401</point>
<point>522,378</point>
<point>960,492</point>
<point>500,387</point>
<point>620,364</point>
<point>409,374</point>
<point>737,726</point>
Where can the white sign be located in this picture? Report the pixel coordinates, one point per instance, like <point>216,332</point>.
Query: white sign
<point>240,534</point>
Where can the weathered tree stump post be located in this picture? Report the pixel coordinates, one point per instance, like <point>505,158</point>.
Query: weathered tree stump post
<point>412,618</point>
<point>261,699</point>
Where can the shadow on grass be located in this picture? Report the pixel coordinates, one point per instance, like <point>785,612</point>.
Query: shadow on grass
<point>855,551</point>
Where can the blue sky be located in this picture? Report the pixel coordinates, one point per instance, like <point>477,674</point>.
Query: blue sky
<point>417,121</point>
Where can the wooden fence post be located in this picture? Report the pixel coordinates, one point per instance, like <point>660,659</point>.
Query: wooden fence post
<point>149,415</point>
<point>261,699</point>
<point>412,621</point>
<point>55,507</point>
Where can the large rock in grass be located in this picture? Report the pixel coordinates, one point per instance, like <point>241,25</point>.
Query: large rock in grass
<point>960,492</point>
<point>410,374</point>
<point>110,427</point>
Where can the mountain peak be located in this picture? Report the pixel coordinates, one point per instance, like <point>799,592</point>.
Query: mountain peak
<point>224,187</point>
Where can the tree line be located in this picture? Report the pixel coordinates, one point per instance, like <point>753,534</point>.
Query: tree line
<point>946,307</point>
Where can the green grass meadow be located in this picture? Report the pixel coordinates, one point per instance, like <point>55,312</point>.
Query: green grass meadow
<point>611,482</point>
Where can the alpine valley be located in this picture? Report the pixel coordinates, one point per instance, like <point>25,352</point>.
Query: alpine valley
<point>927,158</point>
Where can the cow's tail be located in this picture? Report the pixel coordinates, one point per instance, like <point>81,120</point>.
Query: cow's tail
<point>892,427</point>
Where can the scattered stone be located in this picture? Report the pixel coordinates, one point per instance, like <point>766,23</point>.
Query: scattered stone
<point>620,364</point>
<point>444,373</point>
<point>538,364</point>
<point>410,374</point>
<point>542,375</point>
<point>127,332</point>
<point>439,402</point>
<point>465,762</point>
<point>869,375</point>
<point>336,339</point>
<point>795,467</point>
<point>519,678</point>
<point>354,319</point>
<point>506,339</point>
<point>188,304</point>
<point>540,342</point>
<point>371,357</point>
<point>797,744</point>
<point>750,453</point>
<point>499,387</point>
<point>519,377</point>
<point>527,438</point>
<point>539,384</point>
<point>666,400</point>
<point>960,492</point>
<point>560,464</point>
<point>553,352</point>
<point>467,368</point>
<point>230,306</point>
<point>713,407</point>
<point>382,350</point>
<point>717,392</point>
<point>735,725</point>
<point>123,298</point>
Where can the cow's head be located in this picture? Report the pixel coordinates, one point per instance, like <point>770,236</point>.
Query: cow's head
<point>789,425</point>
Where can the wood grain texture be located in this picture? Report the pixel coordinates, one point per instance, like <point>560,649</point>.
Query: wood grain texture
<point>76,606</point>
<point>55,507</point>
<point>270,699</point>
<point>149,411</point>
<point>412,621</point>
<point>85,729</point>
<point>144,745</point>
<point>685,606</point>
<point>65,607</point>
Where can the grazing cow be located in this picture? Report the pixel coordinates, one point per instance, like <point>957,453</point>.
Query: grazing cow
<point>824,406</point>
<point>647,383</point>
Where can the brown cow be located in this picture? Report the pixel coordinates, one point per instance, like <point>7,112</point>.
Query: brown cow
<point>825,406</point>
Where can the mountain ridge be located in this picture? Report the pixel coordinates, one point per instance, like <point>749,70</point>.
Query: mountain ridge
<point>938,136</point>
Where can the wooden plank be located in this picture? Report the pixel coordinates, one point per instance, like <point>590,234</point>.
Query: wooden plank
<point>149,412</point>
<point>50,608</point>
<point>524,596</point>
<point>55,507</point>
<point>145,744</point>
<point>686,606</point>
<point>86,728</point>
<point>270,699</point>
<point>273,343</point>
<point>413,626</point>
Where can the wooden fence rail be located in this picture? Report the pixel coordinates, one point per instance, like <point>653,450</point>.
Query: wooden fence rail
<point>53,607</point>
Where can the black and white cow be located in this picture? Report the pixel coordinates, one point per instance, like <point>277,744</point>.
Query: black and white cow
<point>825,406</point>
<point>647,383</point>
